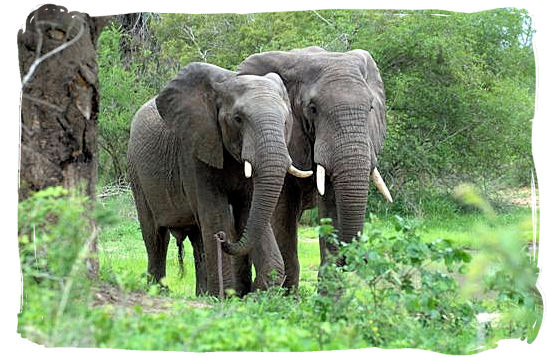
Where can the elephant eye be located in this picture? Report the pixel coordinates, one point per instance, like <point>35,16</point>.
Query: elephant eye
<point>312,108</point>
<point>237,118</point>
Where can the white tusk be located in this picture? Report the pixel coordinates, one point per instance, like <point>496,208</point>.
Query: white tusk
<point>320,177</point>
<point>299,173</point>
<point>379,182</point>
<point>247,169</point>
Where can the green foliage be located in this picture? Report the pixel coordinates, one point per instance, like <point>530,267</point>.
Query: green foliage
<point>310,217</point>
<point>53,230</point>
<point>460,86</point>
<point>402,287</point>
<point>506,266</point>
<point>458,108</point>
<point>460,98</point>
<point>122,94</point>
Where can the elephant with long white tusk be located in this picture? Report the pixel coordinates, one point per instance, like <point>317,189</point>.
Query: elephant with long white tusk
<point>338,103</point>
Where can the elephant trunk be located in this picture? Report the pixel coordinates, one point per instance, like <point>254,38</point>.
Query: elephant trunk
<point>349,165</point>
<point>350,191</point>
<point>270,163</point>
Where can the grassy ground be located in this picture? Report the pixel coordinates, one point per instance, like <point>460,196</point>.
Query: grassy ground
<point>123,258</point>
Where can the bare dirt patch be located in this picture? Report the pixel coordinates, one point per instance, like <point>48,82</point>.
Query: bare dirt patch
<point>107,295</point>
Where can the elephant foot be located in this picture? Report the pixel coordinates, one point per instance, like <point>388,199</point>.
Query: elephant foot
<point>153,281</point>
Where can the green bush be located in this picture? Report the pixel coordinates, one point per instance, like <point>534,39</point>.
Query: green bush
<point>55,229</point>
<point>506,267</point>
<point>460,88</point>
<point>410,292</point>
<point>402,287</point>
<point>123,92</point>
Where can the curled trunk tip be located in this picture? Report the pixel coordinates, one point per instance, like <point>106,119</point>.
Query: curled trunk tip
<point>240,248</point>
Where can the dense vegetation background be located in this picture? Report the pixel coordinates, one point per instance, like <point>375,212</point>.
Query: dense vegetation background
<point>460,87</point>
<point>448,270</point>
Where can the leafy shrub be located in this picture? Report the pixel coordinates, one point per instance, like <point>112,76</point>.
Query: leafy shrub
<point>52,229</point>
<point>506,267</point>
<point>310,217</point>
<point>403,288</point>
<point>54,232</point>
<point>122,94</point>
<point>407,294</point>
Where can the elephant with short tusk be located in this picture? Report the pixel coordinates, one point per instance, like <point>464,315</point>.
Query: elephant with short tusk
<point>191,153</point>
<point>338,102</point>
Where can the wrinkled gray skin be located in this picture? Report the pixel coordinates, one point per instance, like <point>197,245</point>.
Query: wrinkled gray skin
<point>338,102</point>
<point>185,164</point>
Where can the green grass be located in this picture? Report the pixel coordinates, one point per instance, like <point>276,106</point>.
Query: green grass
<point>123,258</point>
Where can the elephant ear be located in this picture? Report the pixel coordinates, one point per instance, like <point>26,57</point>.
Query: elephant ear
<point>279,62</point>
<point>377,116</point>
<point>188,106</point>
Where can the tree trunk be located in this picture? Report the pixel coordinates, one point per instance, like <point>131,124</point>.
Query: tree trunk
<point>59,103</point>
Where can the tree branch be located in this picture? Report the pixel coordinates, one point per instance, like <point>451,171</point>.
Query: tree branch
<point>189,31</point>
<point>323,19</point>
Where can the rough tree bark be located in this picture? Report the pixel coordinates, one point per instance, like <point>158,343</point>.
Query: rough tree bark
<point>60,102</point>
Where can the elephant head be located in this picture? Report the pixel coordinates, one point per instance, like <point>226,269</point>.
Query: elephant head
<point>338,101</point>
<point>247,117</point>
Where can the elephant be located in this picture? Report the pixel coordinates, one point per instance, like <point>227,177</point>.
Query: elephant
<point>186,153</point>
<point>338,102</point>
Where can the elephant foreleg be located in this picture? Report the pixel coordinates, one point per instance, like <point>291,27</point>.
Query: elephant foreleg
<point>285,228</point>
<point>213,220</point>
<point>268,263</point>
<point>327,209</point>
<point>242,265</point>
<point>200,261</point>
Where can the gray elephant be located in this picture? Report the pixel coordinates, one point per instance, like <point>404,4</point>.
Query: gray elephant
<point>186,154</point>
<point>338,102</point>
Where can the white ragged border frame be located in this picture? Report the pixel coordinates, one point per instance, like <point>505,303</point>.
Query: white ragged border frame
<point>14,18</point>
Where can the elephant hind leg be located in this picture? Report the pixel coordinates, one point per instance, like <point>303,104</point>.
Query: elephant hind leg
<point>155,237</point>
<point>195,238</point>
<point>156,243</point>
